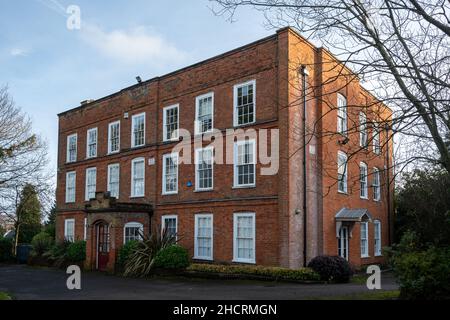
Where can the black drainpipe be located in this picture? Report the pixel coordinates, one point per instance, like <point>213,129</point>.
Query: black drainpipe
<point>304,73</point>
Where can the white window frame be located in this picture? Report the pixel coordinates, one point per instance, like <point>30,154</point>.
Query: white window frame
<point>163,223</point>
<point>235,105</point>
<point>74,187</point>
<point>133,225</point>
<point>364,195</point>
<point>376,184</point>
<point>177,135</point>
<point>197,177</point>
<point>197,123</point>
<point>88,134</point>
<point>110,125</point>
<point>164,191</point>
<point>363,135</point>
<point>235,163</point>
<point>342,114</point>
<point>110,166</point>
<point>85,229</point>
<point>68,160</point>
<point>133,163</point>
<point>377,238</point>
<point>196,255</point>
<point>235,247</point>
<point>133,120</point>
<point>376,138</point>
<point>366,239</point>
<point>86,189</point>
<point>345,180</point>
<point>68,237</point>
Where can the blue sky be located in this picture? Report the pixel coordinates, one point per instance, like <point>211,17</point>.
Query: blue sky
<point>50,68</point>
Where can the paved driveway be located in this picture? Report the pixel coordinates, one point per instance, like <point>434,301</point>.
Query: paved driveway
<point>25,282</point>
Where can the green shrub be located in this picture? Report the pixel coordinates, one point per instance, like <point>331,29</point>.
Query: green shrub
<point>278,273</point>
<point>6,246</point>
<point>76,251</point>
<point>125,252</point>
<point>57,254</point>
<point>332,268</point>
<point>172,257</point>
<point>41,243</point>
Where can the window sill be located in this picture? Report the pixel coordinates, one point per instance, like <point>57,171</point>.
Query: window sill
<point>169,193</point>
<point>378,255</point>
<point>244,261</point>
<point>235,125</point>
<point>244,187</point>
<point>345,193</point>
<point>171,140</point>
<point>365,257</point>
<point>203,258</point>
<point>137,197</point>
<point>364,198</point>
<point>203,190</point>
<point>113,152</point>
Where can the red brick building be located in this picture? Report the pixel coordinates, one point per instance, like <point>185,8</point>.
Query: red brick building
<point>119,171</point>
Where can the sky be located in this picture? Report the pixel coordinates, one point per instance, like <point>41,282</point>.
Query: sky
<point>50,68</point>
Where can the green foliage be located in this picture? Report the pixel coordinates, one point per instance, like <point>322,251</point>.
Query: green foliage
<point>332,268</point>
<point>125,251</point>
<point>5,249</point>
<point>76,251</point>
<point>277,273</point>
<point>28,214</point>
<point>41,243</point>
<point>50,224</point>
<point>141,261</point>
<point>173,257</point>
<point>57,255</point>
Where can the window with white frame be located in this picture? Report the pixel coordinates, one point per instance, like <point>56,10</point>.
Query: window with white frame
<point>138,177</point>
<point>244,163</point>
<point>138,130</point>
<point>363,130</point>
<point>133,231</point>
<point>342,114</point>
<point>170,173</point>
<point>114,137</point>
<point>114,180</point>
<point>71,178</point>
<point>376,184</point>
<point>72,148</point>
<point>204,113</point>
<point>85,229</point>
<point>364,239</point>
<point>170,226</point>
<point>376,138</point>
<point>244,103</point>
<point>363,173</point>
<point>204,169</point>
<point>91,183</point>
<point>203,237</point>
<point>170,123</point>
<point>342,172</point>
<point>91,150</point>
<point>69,230</point>
<point>244,237</point>
<point>377,237</point>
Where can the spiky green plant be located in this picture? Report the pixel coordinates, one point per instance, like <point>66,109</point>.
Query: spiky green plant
<point>142,258</point>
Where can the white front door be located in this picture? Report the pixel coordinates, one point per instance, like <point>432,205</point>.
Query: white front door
<point>343,243</point>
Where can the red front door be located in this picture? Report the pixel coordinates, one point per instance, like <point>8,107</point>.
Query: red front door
<point>102,246</point>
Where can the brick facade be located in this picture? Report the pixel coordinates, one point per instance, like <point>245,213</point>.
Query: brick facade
<point>276,200</point>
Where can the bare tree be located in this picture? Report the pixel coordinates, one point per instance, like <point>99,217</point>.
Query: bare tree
<point>398,48</point>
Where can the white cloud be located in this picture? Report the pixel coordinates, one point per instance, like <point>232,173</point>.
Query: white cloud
<point>18,52</point>
<point>137,45</point>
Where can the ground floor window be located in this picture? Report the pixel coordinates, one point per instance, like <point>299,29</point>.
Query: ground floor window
<point>203,236</point>
<point>244,237</point>
<point>170,225</point>
<point>364,239</point>
<point>133,231</point>
<point>69,230</point>
<point>377,237</point>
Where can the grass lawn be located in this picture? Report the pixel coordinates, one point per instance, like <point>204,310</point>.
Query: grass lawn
<point>4,296</point>
<point>372,295</point>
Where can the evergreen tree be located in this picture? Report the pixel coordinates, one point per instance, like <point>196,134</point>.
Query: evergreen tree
<point>28,215</point>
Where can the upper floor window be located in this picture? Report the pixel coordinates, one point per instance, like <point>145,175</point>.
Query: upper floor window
<point>204,169</point>
<point>364,239</point>
<point>377,237</point>
<point>342,172</point>
<point>376,184</point>
<point>376,139</point>
<point>363,130</point>
<point>170,226</point>
<point>113,180</point>
<point>72,148</point>
<point>342,114</point>
<point>114,137</point>
<point>204,113</point>
<point>244,103</point>
<point>91,183</point>
<point>363,172</point>
<point>70,186</point>
<point>138,130</point>
<point>138,177</point>
<point>69,230</point>
<point>170,173</point>
<point>244,163</point>
<point>170,123</point>
<point>133,231</point>
<point>91,150</point>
